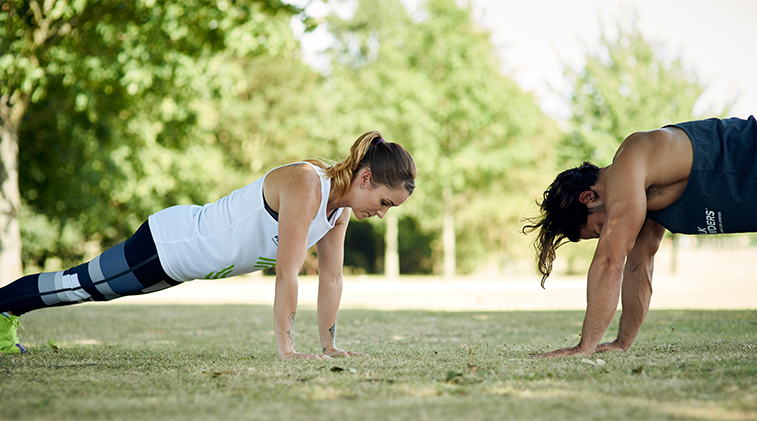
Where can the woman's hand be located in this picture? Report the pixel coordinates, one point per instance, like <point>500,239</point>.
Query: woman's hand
<point>293,355</point>
<point>336,352</point>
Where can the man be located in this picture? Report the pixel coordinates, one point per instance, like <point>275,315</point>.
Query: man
<point>698,177</point>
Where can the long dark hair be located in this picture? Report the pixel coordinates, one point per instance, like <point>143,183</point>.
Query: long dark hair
<point>562,214</point>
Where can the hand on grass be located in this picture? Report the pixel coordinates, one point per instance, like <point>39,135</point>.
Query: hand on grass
<point>293,355</point>
<point>610,346</point>
<point>564,352</point>
<point>336,352</point>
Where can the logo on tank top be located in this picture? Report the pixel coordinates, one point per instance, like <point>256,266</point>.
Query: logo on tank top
<point>712,223</point>
<point>221,273</point>
<point>275,240</point>
<point>265,263</point>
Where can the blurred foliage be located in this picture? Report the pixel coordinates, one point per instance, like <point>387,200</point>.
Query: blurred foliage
<point>364,247</point>
<point>121,122</point>
<point>630,84</point>
<point>140,105</point>
<point>434,83</point>
<point>416,253</point>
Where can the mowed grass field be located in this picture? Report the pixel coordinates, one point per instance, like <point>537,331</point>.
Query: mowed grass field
<point>100,361</point>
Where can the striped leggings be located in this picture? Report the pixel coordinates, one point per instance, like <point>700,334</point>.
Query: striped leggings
<point>129,268</point>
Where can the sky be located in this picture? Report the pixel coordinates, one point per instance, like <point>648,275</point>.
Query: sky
<point>717,39</point>
<point>535,39</point>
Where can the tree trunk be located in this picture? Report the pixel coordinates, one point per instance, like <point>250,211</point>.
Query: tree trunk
<point>391,252</point>
<point>12,109</point>
<point>448,241</point>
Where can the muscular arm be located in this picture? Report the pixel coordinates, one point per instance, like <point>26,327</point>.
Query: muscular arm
<point>637,286</point>
<point>626,206</point>
<point>660,158</point>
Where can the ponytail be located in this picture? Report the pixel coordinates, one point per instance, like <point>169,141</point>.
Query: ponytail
<point>390,164</point>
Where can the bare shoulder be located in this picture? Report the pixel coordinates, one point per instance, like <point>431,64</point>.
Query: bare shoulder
<point>668,148</point>
<point>296,180</point>
<point>298,171</point>
<point>656,143</point>
<point>663,157</point>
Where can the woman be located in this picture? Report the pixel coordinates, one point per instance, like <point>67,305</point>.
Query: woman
<point>272,221</point>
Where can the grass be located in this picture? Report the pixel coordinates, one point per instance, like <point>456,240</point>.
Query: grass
<point>200,362</point>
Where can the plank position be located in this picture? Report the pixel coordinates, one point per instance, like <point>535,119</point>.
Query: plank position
<point>270,222</point>
<point>697,177</point>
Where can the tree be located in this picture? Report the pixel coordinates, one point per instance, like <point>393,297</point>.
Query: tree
<point>376,89</point>
<point>282,115</point>
<point>627,85</point>
<point>110,96</point>
<point>435,84</point>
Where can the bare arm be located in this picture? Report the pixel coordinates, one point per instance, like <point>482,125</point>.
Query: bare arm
<point>330,261</point>
<point>298,194</point>
<point>626,212</point>
<point>637,286</point>
<point>602,293</point>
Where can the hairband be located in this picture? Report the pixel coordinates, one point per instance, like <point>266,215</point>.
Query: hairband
<point>379,140</point>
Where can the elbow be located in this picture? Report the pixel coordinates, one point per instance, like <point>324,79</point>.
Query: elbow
<point>609,264</point>
<point>330,275</point>
<point>286,277</point>
<point>334,280</point>
<point>287,272</point>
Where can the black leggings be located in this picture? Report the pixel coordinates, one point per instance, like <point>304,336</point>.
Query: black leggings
<point>129,268</point>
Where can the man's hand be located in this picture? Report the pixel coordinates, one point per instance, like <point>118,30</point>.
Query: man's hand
<point>564,352</point>
<point>336,352</point>
<point>610,346</point>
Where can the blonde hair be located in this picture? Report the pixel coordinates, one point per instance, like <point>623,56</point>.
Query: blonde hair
<point>390,164</point>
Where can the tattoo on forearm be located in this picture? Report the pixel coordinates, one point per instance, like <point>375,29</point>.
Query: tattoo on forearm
<point>332,331</point>
<point>290,332</point>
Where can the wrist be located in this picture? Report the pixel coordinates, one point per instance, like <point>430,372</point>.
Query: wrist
<point>624,344</point>
<point>286,351</point>
<point>586,349</point>
<point>328,347</point>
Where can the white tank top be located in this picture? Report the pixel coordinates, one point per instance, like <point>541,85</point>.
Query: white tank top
<point>230,237</point>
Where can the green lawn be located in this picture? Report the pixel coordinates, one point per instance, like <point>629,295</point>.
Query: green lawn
<point>202,362</point>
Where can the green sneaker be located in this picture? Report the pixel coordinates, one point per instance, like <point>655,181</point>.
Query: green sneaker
<point>9,343</point>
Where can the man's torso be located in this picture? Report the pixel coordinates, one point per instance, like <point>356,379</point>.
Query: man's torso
<point>719,194</point>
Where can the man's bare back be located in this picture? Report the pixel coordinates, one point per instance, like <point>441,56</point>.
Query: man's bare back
<point>667,155</point>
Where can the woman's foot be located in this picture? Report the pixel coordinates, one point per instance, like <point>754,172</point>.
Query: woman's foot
<point>9,343</point>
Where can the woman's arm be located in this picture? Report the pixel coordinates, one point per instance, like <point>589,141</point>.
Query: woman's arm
<point>295,192</point>
<point>330,261</point>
